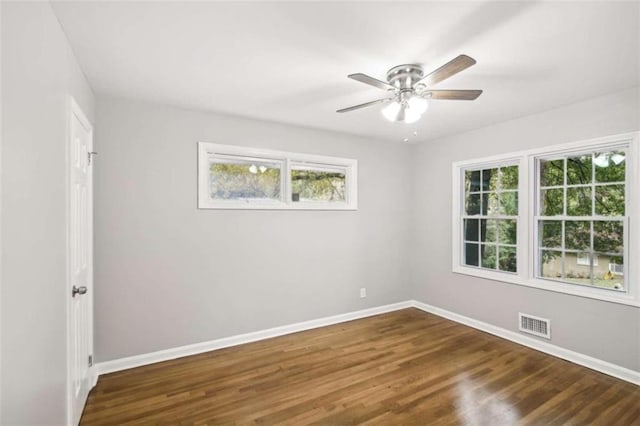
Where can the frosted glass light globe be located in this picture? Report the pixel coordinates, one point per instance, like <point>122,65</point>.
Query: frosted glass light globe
<point>411,116</point>
<point>617,158</point>
<point>390,112</point>
<point>418,104</point>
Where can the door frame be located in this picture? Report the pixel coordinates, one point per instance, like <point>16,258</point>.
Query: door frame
<point>74,109</point>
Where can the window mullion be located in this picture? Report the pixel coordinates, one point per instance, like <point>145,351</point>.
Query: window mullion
<point>286,182</point>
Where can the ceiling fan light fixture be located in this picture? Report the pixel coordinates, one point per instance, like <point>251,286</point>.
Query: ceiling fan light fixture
<point>601,160</point>
<point>392,111</point>
<point>617,158</point>
<point>408,89</point>
<point>418,104</point>
<point>407,112</point>
<point>411,115</point>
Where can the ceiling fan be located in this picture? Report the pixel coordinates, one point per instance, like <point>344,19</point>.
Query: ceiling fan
<point>408,89</point>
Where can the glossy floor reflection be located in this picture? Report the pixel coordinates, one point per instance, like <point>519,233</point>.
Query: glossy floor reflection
<point>404,367</point>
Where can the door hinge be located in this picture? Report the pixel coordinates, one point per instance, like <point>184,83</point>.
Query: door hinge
<point>89,156</point>
<point>90,360</point>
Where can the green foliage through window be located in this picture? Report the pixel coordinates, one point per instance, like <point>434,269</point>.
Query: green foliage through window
<point>490,224</point>
<point>578,190</point>
<point>244,180</point>
<point>317,185</point>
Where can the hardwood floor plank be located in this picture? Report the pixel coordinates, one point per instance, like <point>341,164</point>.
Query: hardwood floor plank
<point>406,367</point>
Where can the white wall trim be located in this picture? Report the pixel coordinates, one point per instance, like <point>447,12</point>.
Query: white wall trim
<point>197,348</point>
<point>605,367</point>
<point>596,364</point>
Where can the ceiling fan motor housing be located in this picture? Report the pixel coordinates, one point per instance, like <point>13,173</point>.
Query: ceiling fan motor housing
<point>405,76</point>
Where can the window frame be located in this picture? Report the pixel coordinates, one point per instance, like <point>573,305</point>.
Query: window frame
<point>537,216</point>
<point>289,160</point>
<point>527,218</point>
<point>480,216</point>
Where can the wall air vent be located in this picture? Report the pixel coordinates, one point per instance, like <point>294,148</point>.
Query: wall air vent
<point>534,325</point>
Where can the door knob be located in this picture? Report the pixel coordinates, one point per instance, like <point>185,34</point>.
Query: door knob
<point>78,290</point>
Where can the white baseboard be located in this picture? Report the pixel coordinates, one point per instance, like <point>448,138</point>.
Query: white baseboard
<point>173,353</point>
<point>605,367</point>
<point>548,348</point>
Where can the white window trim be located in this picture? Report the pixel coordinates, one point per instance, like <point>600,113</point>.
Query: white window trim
<point>526,220</point>
<point>289,160</point>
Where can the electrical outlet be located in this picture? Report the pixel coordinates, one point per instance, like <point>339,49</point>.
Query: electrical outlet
<point>363,292</point>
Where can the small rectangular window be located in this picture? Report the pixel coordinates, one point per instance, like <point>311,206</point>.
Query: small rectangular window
<point>245,179</point>
<point>232,177</point>
<point>584,259</point>
<point>311,183</point>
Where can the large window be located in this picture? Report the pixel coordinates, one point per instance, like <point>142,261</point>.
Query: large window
<point>581,217</point>
<point>555,218</point>
<point>232,177</point>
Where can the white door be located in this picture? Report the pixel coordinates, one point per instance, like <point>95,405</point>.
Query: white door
<point>80,286</point>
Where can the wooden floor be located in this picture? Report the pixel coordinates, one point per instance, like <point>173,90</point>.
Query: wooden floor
<point>405,367</point>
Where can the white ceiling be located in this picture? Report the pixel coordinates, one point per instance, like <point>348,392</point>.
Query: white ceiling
<point>288,61</point>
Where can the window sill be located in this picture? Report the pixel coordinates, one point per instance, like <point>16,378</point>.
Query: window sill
<point>557,287</point>
<point>275,206</point>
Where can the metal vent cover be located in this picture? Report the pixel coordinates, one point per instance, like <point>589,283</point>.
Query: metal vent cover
<point>534,325</point>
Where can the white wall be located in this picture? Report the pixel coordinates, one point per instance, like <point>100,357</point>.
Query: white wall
<point>38,71</point>
<point>168,274</point>
<point>231,272</point>
<point>607,331</point>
